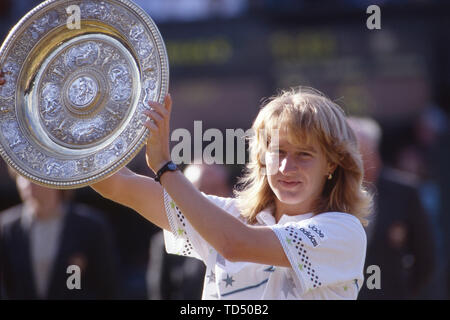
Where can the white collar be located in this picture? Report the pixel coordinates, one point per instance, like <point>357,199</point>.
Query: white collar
<point>266,217</point>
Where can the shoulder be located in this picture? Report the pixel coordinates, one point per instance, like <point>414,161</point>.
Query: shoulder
<point>337,217</point>
<point>324,250</point>
<point>342,222</point>
<point>335,228</point>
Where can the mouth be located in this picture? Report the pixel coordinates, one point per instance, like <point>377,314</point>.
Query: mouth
<point>288,184</point>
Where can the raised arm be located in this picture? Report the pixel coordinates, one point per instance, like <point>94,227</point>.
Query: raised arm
<point>233,239</point>
<point>140,193</point>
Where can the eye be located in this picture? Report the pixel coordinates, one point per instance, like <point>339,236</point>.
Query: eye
<point>304,154</point>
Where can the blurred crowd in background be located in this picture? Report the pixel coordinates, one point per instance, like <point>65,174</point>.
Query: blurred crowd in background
<point>226,56</point>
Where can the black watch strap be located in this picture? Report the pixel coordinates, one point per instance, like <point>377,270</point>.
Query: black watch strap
<point>169,166</point>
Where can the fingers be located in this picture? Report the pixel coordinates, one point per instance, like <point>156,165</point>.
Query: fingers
<point>150,125</point>
<point>158,112</point>
<point>162,109</point>
<point>157,107</point>
<point>154,115</point>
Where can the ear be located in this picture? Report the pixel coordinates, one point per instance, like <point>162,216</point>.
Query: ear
<point>331,167</point>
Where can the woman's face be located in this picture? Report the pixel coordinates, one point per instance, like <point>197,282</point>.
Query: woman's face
<point>296,175</point>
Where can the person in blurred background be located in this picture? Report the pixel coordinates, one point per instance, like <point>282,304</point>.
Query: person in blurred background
<point>132,236</point>
<point>426,158</point>
<point>175,277</point>
<point>443,182</point>
<point>45,235</point>
<point>400,240</point>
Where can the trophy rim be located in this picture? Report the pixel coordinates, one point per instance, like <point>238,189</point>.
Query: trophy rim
<point>124,159</point>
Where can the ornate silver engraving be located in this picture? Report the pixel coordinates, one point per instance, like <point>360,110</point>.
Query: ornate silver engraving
<point>98,10</point>
<point>121,82</point>
<point>82,91</point>
<point>11,71</point>
<point>141,40</point>
<point>86,164</point>
<point>110,154</point>
<point>59,169</point>
<point>82,55</point>
<point>13,135</point>
<point>34,158</point>
<point>102,79</point>
<point>40,26</point>
<point>89,130</point>
<point>149,89</point>
<point>51,102</point>
<point>71,108</point>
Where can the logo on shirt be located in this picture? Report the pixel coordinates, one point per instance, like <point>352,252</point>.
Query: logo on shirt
<point>316,231</point>
<point>310,236</point>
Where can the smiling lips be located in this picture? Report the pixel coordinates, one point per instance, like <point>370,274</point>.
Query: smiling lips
<point>289,184</point>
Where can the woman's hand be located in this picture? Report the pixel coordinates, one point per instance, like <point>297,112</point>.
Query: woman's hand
<point>157,151</point>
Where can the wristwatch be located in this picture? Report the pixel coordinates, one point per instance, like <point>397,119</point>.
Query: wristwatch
<point>169,166</point>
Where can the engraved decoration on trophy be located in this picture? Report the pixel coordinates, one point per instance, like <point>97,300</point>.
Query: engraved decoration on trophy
<point>71,106</point>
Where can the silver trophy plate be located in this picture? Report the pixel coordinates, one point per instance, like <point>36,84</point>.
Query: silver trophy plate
<point>71,107</point>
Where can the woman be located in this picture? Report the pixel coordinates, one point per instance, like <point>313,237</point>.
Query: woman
<point>294,229</point>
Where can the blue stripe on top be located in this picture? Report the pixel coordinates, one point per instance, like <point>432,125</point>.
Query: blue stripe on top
<point>245,288</point>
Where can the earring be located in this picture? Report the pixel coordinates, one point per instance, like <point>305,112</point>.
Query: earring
<point>330,176</point>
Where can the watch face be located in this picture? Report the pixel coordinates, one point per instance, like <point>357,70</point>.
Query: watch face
<point>172,166</point>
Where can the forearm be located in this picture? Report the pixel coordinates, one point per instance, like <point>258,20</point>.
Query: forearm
<point>215,225</point>
<point>140,193</point>
<point>110,187</point>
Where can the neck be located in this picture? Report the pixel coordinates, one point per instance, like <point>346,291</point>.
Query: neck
<point>291,209</point>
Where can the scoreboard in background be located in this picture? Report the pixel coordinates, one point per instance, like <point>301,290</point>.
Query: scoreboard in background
<point>221,69</point>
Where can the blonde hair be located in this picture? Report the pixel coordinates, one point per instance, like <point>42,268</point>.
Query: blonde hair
<point>306,114</point>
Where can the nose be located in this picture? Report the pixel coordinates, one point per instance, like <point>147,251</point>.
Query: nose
<point>288,165</point>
